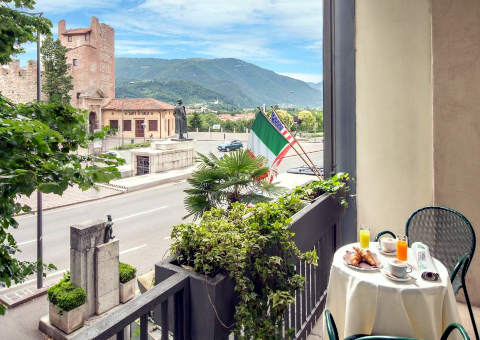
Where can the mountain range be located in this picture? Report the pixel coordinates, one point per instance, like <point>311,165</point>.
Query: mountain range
<point>232,82</point>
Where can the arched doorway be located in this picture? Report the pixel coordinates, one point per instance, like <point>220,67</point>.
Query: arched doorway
<point>92,122</point>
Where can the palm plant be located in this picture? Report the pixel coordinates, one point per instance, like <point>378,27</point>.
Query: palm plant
<point>237,177</point>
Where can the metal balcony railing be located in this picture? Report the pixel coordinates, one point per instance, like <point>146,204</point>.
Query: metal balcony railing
<point>315,227</point>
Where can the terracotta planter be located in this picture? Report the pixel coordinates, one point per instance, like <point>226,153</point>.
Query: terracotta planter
<point>66,321</point>
<point>127,291</point>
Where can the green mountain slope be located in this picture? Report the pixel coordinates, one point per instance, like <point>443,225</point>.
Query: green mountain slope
<point>168,91</point>
<point>240,83</point>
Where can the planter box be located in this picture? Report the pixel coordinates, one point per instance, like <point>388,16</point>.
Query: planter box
<point>204,291</point>
<point>67,321</point>
<point>127,290</point>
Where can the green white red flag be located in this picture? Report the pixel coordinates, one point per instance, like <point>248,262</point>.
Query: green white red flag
<point>269,141</point>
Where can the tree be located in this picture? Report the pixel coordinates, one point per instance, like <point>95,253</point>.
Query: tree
<point>196,121</point>
<point>319,119</point>
<point>221,182</point>
<point>38,148</point>
<point>57,82</point>
<point>307,120</point>
<point>18,28</point>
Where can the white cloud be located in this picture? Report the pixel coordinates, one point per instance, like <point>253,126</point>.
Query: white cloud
<point>136,47</point>
<point>307,77</point>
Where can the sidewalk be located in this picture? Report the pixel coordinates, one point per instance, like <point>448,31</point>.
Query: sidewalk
<point>71,196</point>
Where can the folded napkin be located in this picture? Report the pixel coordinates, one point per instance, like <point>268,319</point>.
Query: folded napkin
<point>425,263</point>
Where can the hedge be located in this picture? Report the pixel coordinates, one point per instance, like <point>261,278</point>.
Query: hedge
<point>65,295</point>
<point>126,272</point>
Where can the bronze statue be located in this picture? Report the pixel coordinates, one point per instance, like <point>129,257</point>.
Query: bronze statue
<point>180,119</point>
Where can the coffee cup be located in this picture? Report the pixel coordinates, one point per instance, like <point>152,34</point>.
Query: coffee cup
<point>388,244</point>
<point>399,269</point>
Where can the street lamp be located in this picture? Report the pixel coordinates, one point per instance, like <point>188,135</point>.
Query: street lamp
<point>39,194</point>
<point>143,127</point>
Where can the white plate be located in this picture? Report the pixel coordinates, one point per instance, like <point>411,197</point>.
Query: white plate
<point>364,269</point>
<point>396,279</point>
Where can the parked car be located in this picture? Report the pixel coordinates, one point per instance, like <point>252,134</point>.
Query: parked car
<point>229,146</point>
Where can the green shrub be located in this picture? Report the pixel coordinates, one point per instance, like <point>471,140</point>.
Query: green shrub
<point>65,295</point>
<point>133,146</point>
<point>126,272</point>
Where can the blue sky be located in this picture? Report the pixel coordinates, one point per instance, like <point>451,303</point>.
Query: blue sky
<point>281,35</point>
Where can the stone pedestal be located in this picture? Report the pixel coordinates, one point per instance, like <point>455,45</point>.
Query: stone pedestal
<point>106,272</point>
<point>166,155</point>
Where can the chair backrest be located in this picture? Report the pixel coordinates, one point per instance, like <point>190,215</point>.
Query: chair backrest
<point>447,233</point>
<point>331,327</point>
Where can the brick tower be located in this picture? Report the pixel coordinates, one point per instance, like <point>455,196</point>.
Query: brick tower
<point>91,54</point>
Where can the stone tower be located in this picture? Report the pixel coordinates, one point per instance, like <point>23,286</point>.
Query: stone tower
<point>91,54</point>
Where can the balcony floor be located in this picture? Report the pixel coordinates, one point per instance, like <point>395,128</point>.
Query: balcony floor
<point>462,309</point>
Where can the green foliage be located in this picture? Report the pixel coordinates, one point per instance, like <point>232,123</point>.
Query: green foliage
<point>255,248</point>
<point>307,120</point>
<point>65,295</point>
<point>133,146</point>
<point>337,185</point>
<point>57,83</point>
<point>126,272</point>
<point>18,28</point>
<point>195,122</point>
<point>221,182</point>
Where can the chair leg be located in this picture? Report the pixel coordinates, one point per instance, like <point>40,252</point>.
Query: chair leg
<point>467,299</point>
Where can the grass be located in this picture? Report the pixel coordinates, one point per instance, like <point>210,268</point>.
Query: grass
<point>126,272</point>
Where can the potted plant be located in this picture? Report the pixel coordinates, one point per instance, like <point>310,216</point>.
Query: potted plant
<point>67,304</point>
<point>127,281</point>
<point>241,263</point>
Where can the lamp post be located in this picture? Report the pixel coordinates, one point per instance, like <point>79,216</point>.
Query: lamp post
<point>39,194</point>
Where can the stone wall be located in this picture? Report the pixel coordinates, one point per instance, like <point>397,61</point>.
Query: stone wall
<point>19,84</point>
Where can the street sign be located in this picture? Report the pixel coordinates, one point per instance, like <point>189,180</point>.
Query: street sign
<point>216,127</point>
<point>97,144</point>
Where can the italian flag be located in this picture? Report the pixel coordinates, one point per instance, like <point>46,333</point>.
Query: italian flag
<point>265,140</point>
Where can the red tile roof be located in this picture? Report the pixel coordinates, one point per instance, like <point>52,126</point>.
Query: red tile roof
<point>77,31</point>
<point>137,104</point>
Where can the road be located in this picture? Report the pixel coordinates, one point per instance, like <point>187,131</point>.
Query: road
<point>143,221</point>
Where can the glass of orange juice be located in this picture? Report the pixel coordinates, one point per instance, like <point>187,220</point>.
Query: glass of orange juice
<point>364,237</point>
<point>402,247</point>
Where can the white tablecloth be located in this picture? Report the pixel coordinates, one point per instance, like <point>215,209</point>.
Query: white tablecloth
<point>369,303</point>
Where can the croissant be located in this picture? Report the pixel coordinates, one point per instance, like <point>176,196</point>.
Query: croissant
<point>366,255</point>
<point>355,259</point>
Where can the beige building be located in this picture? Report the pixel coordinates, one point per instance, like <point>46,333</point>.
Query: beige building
<point>139,117</point>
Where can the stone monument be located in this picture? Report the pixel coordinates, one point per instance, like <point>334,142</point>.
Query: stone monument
<point>180,120</point>
<point>94,259</point>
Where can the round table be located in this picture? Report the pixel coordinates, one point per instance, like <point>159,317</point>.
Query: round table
<point>369,303</point>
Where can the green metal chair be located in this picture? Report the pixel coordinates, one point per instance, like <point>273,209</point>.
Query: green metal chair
<point>450,238</point>
<point>333,333</point>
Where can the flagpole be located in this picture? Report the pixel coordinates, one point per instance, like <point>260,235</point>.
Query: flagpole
<point>298,153</point>
<point>301,147</point>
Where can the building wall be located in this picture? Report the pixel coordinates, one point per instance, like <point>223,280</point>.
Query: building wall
<point>19,84</point>
<point>393,111</point>
<point>456,114</point>
<point>163,118</point>
<point>95,54</point>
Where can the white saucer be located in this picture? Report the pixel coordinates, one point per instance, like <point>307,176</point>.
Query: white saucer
<point>387,253</point>
<point>389,276</point>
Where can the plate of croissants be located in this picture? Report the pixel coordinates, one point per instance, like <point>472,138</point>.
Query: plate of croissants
<point>362,259</point>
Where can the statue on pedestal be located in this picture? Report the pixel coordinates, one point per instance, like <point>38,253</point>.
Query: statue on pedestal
<point>180,119</point>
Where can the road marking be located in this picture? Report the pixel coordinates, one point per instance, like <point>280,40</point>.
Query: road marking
<point>132,249</point>
<point>139,213</point>
<point>166,238</point>
<point>34,280</point>
<point>27,242</point>
<point>105,199</point>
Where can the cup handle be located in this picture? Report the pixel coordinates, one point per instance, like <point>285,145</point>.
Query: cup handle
<point>409,267</point>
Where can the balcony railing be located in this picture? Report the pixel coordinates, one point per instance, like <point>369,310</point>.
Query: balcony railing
<point>314,226</point>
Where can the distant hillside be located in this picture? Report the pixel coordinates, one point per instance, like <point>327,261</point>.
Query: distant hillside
<point>233,81</point>
<point>168,91</point>
<point>317,86</point>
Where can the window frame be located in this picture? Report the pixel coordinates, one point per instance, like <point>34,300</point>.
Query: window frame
<point>75,62</point>
<point>127,127</point>
<point>111,125</point>
<point>150,121</point>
